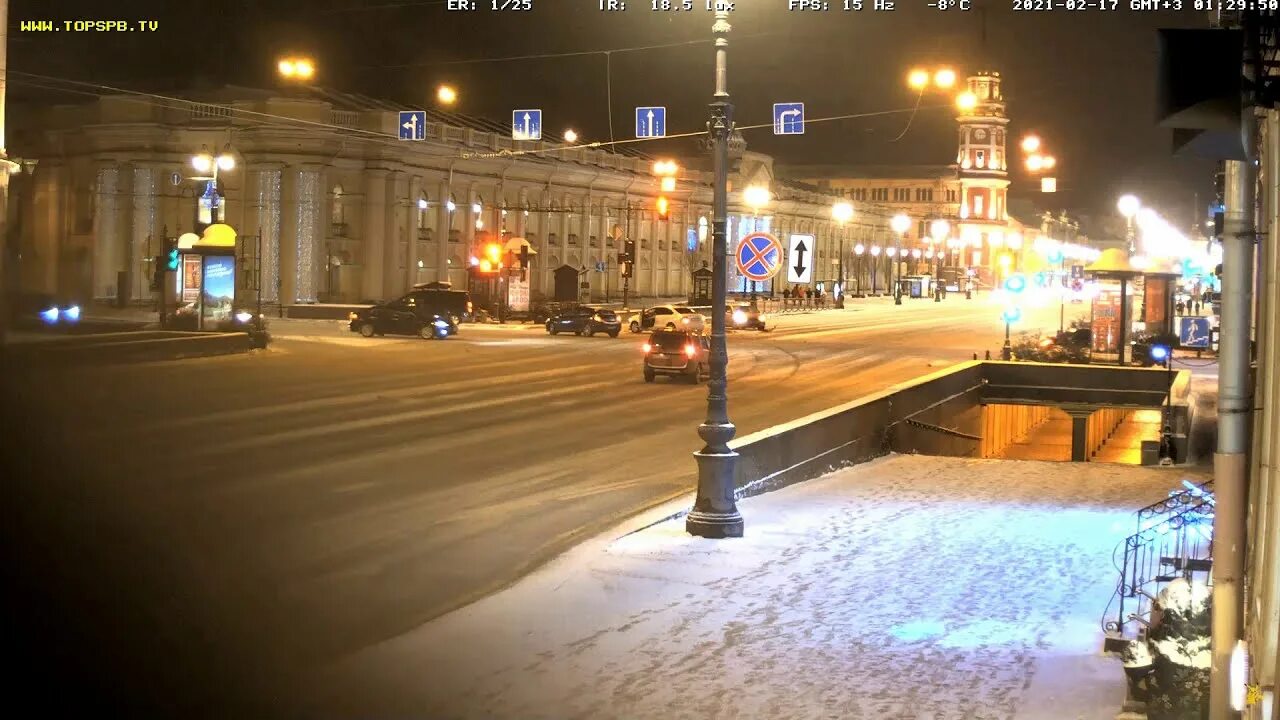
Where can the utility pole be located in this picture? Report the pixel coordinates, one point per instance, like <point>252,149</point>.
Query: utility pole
<point>715,514</point>
<point>1235,406</point>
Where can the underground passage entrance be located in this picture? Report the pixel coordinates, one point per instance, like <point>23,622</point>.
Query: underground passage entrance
<point>982,409</point>
<point>1039,432</point>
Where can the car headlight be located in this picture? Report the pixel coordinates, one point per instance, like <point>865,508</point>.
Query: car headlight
<point>685,320</point>
<point>739,317</point>
<point>761,317</point>
<point>244,316</point>
<point>50,315</point>
<point>441,324</point>
<point>72,313</point>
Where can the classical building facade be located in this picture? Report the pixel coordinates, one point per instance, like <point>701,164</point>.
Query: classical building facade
<point>332,207</point>
<point>971,194</point>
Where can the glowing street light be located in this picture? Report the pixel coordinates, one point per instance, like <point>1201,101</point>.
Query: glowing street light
<point>900,224</point>
<point>1128,205</point>
<point>756,197</point>
<point>1035,163</point>
<point>918,79</point>
<point>446,95</point>
<point>944,78</point>
<point>1030,143</point>
<point>1048,162</point>
<point>966,101</point>
<point>570,136</point>
<point>842,212</point>
<point>296,68</point>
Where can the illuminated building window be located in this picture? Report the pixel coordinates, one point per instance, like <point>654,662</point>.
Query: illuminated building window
<point>980,158</point>
<point>977,205</point>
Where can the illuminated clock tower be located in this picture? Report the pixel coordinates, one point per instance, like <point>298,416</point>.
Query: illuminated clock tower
<point>984,176</point>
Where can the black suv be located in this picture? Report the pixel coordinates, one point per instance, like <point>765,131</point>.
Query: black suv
<point>417,313</point>
<point>678,353</point>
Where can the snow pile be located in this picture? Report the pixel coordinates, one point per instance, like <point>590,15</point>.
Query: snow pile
<point>1178,685</point>
<point>910,586</point>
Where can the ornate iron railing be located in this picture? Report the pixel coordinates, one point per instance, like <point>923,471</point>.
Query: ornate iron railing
<point>1174,540</point>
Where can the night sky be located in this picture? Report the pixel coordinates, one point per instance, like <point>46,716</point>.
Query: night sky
<point>1084,81</point>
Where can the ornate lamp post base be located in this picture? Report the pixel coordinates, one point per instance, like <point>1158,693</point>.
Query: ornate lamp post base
<point>714,514</point>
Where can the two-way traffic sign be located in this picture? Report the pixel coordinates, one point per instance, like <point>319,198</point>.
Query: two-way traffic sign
<point>651,122</point>
<point>800,269</point>
<point>788,118</point>
<point>413,124</point>
<point>526,124</point>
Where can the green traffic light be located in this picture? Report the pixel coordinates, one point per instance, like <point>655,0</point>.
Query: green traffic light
<point>173,259</point>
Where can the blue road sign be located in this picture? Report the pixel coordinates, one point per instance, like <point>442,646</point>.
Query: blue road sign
<point>413,124</point>
<point>1194,332</point>
<point>788,118</point>
<point>651,122</point>
<point>759,256</point>
<point>526,124</point>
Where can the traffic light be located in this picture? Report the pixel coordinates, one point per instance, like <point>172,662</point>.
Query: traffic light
<point>664,206</point>
<point>492,259</point>
<point>629,248</point>
<point>157,272</point>
<point>171,254</point>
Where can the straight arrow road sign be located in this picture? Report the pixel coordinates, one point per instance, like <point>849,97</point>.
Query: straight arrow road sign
<point>526,124</point>
<point>651,122</point>
<point>800,271</point>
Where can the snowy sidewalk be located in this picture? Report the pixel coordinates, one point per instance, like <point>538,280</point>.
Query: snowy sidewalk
<point>908,587</point>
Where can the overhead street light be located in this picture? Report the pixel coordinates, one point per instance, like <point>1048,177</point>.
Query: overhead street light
<point>1128,205</point>
<point>944,78</point>
<point>446,95</point>
<point>570,136</point>
<point>296,68</point>
<point>1030,144</point>
<point>966,101</point>
<point>918,79</point>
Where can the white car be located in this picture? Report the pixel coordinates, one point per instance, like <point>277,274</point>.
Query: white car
<point>667,317</point>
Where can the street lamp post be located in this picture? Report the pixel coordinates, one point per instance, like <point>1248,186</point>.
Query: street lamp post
<point>875,263</point>
<point>857,268</point>
<point>1129,205</point>
<point>899,224</point>
<point>842,212</point>
<point>207,163</point>
<point>1010,315</point>
<point>715,514</point>
<point>938,230</point>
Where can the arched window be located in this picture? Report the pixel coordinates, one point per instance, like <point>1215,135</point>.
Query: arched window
<point>337,210</point>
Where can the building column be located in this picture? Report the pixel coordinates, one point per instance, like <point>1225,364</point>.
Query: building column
<point>144,242</point>
<point>263,197</point>
<point>442,232</point>
<point>301,234</point>
<point>49,224</point>
<point>392,232</point>
<point>1079,432</point>
<point>411,230</point>
<point>374,232</point>
<point>108,243</point>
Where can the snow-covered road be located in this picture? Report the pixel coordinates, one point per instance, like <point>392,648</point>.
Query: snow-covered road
<point>909,587</point>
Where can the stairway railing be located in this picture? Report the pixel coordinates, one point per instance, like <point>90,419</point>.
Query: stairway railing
<point>1174,539</point>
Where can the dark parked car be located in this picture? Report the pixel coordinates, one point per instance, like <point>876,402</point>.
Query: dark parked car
<point>678,353</point>
<point>585,321</point>
<point>409,315</point>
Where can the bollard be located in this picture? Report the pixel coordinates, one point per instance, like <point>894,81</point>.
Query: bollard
<point>975,356</point>
<point>988,354</point>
